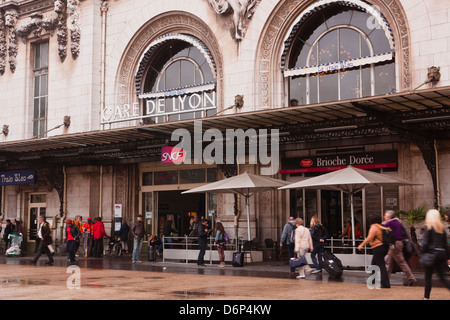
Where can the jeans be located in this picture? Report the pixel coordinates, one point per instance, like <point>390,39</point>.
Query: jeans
<point>291,248</point>
<point>317,251</point>
<point>137,245</point>
<point>72,248</point>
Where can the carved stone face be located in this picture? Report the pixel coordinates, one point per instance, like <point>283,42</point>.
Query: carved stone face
<point>59,6</point>
<point>11,18</point>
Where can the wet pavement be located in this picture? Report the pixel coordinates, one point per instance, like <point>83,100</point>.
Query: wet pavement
<point>119,279</point>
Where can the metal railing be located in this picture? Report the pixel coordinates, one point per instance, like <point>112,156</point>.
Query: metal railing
<point>186,249</point>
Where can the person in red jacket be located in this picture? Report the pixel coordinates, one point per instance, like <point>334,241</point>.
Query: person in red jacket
<point>99,234</point>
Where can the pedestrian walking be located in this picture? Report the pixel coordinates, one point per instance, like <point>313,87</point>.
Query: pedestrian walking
<point>6,233</point>
<point>395,252</point>
<point>288,239</point>
<point>72,236</point>
<point>99,234</point>
<point>138,231</point>
<point>79,223</point>
<point>88,237</point>
<point>220,241</point>
<point>319,234</point>
<point>303,243</point>
<point>202,232</point>
<point>123,235</point>
<point>375,240</point>
<point>43,241</point>
<point>435,243</point>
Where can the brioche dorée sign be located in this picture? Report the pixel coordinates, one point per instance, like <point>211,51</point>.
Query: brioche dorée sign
<point>374,160</point>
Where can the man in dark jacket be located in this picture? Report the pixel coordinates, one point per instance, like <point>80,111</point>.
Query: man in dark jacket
<point>138,231</point>
<point>44,239</point>
<point>202,232</point>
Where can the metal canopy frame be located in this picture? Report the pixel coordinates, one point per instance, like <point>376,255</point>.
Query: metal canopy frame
<point>425,112</point>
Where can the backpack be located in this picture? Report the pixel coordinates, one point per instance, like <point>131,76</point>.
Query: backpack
<point>291,235</point>
<point>226,238</point>
<point>388,237</point>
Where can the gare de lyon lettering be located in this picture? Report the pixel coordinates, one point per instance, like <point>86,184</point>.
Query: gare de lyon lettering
<point>175,102</point>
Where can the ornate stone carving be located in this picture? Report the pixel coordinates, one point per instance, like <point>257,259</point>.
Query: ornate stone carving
<point>61,10</point>
<point>3,48</point>
<point>73,8</point>
<point>35,26</point>
<point>11,17</point>
<point>242,11</point>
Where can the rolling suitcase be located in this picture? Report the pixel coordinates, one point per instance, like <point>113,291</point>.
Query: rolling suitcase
<point>238,258</point>
<point>151,253</point>
<point>332,265</point>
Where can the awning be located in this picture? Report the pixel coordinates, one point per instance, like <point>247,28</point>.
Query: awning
<point>429,108</point>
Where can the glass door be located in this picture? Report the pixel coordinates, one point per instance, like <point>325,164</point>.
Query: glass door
<point>37,207</point>
<point>148,212</point>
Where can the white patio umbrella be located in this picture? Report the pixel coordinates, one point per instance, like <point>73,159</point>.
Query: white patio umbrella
<point>349,180</point>
<point>246,184</point>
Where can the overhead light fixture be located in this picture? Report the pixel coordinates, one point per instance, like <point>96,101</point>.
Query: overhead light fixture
<point>336,128</point>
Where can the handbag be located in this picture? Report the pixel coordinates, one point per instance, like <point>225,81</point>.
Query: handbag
<point>63,248</point>
<point>427,259</point>
<point>300,261</point>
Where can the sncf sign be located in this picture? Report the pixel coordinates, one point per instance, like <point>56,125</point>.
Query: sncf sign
<point>172,155</point>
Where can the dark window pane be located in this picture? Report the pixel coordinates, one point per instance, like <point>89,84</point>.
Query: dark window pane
<point>166,177</point>
<point>147,179</point>
<point>192,176</point>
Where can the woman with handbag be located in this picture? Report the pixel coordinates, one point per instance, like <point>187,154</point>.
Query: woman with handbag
<point>303,242</point>
<point>435,250</point>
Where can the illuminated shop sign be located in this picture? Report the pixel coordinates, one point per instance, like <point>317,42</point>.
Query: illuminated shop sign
<point>15,178</point>
<point>377,160</point>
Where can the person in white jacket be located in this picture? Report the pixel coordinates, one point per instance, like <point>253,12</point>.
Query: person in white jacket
<point>303,242</point>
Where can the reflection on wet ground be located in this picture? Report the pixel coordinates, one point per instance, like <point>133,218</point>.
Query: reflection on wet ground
<point>119,279</point>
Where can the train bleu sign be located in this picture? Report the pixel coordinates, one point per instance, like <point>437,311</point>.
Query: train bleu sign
<point>19,177</point>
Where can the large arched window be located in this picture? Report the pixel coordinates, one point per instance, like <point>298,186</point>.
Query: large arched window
<point>176,80</point>
<point>337,53</point>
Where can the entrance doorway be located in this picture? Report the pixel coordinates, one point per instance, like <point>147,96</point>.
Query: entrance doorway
<point>181,207</point>
<point>37,207</point>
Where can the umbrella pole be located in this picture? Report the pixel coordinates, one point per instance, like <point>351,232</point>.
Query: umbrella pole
<point>353,222</point>
<point>247,204</point>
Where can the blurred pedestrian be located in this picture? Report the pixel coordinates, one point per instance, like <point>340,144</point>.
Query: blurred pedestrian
<point>43,241</point>
<point>435,243</point>
<point>319,235</point>
<point>99,234</point>
<point>375,240</point>
<point>138,231</point>
<point>395,252</point>
<point>72,236</point>
<point>6,233</point>
<point>88,237</point>
<point>303,243</point>
<point>202,233</point>
<point>123,235</point>
<point>288,239</point>
<point>220,242</point>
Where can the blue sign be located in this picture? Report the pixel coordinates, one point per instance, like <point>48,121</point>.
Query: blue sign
<point>15,178</point>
